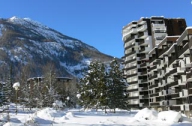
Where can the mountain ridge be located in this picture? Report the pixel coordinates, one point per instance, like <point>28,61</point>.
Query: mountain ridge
<point>23,40</point>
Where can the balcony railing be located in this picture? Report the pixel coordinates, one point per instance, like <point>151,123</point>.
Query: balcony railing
<point>160,31</point>
<point>163,51</point>
<point>129,61</point>
<point>133,105</point>
<point>160,37</point>
<point>141,34</point>
<point>154,95</point>
<point>142,49</point>
<point>182,50</point>
<point>151,59</point>
<point>131,75</point>
<point>174,95</point>
<point>143,80</point>
<point>129,39</point>
<point>154,85</point>
<point>140,41</point>
<point>189,85</point>
<point>131,90</point>
<point>142,73</point>
<point>190,91</point>
<point>132,67</point>
<point>133,97</point>
<point>153,67</point>
<point>183,93</point>
<point>154,104</point>
<point>176,108</point>
<point>133,82</point>
<point>130,46</point>
<point>130,53</point>
<point>174,70</point>
<point>142,28</point>
<point>142,57</point>
<point>152,77</point>
<point>143,64</point>
<point>127,33</point>
<point>175,83</point>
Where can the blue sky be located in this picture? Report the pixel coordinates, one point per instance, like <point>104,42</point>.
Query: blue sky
<point>96,22</point>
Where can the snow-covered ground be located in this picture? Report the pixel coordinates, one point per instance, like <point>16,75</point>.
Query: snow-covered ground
<point>77,117</point>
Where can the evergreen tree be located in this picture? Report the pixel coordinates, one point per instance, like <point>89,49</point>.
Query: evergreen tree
<point>103,86</point>
<point>7,88</point>
<point>116,87</point>
<point>92,86</point>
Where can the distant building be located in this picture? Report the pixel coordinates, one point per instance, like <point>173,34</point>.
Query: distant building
<point>139,38</point>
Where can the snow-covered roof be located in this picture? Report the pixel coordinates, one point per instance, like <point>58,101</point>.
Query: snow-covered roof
<point>189,28</point>
<point>63,78</point>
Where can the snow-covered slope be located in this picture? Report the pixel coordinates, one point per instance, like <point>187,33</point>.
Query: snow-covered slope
<point>24,41</point>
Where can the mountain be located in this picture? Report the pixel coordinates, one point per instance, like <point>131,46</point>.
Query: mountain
<point>24,41</point>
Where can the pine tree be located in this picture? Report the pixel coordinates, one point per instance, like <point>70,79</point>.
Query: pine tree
<point>7,87</point>
<point>92,86</point>
<point>103,87</point>
<point>116,87</point>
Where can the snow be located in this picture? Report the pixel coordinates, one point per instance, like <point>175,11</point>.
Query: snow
<point>165,116</point>
<point>146,114</point>
<point>58,104</point>
<point>188,28</point>
<point>48,33</point>
<point>90,117</point>
<point>73,68</point>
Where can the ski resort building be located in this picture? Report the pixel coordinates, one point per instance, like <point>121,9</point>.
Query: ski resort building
<point>170,74</point>
<point>140,38</point>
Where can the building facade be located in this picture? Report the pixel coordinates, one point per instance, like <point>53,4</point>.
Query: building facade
<point>140,37</point>
<point>170,74</point>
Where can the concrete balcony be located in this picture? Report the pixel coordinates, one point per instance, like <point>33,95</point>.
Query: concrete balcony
<point>134,102</point>
<point>162,93</point>
<point>159,26</point>
<point>160,37</point>
<point>153,104</point>
<point>184,51</point>
<point>133,97</point>
<point>129,32</point>
<point>167,102</point>
<point>142,28</point>
<point>163,103</point>
<point>131,75</point>
<point>183,93</point>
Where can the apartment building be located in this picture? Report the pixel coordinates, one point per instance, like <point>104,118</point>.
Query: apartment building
<point>170,73</point>
<point>139,38</point>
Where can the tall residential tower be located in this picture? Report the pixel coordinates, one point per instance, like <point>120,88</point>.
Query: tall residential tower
<point>140,37</point>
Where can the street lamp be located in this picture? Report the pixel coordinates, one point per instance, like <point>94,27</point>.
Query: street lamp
<point>16,87</point>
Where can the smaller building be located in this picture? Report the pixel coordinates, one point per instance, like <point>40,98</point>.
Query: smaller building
<point>40,88</point>
<point>170,73</point>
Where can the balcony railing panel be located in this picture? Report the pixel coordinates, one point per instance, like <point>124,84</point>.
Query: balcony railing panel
<point>154,104</point>
<point>130,46</point>
<point>129,61</point>
<point>132,67</point>
<point>130,53</point>
<point>133,97</point>
<point>131,75</point>
<point>182,50</point>
<point>133,82</point>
